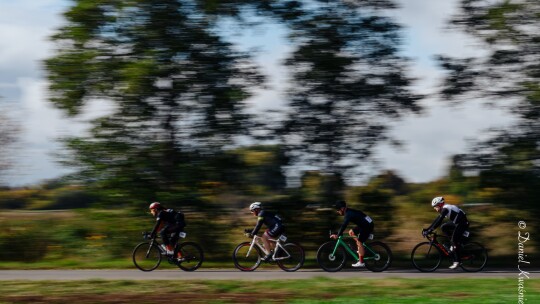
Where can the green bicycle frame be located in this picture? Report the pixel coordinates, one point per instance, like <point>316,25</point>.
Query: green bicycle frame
<point>341,242</point>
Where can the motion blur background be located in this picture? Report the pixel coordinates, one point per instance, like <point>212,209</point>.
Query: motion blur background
<point>207,106</point>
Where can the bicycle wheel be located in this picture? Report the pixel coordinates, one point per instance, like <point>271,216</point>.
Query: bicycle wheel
<point>328,260</point>
<point>146,256</point>
<point>295,257</point>
<point>246,259</point>
<point>473,257</point>
<point>192,256</point>
<point>426,257</point>
<point>378,256</point>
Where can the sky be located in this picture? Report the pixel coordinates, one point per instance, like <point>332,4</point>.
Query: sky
<point>430,139</point>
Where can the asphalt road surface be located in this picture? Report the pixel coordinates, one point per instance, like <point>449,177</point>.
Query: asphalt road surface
<point>257,275</point>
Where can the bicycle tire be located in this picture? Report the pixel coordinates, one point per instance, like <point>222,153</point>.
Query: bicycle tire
<point>296,259</point>
<point>382,258</point>
<point>426,257</point>
<point>474,257</point>
<point>192,256</point>
<point>328,261</point>
<point>146,256</point>
<point>244,261</point>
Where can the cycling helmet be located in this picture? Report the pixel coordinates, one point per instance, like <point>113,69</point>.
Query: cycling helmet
<point>155,205</point>
<point>439,200</point>
<point>340,204</point>
<point>256,205</point>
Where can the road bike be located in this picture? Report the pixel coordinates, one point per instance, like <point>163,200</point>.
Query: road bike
<point>427,256</point>
<point>333,255</point>
<point>147,256</point>
<point>248,256</point>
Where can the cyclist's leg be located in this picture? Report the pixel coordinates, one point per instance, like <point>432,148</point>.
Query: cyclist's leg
<point>165,237</point>
<point>457,238</point>
<point>274,233</point>
<point>268,246</point>
<point>174,231</point>
<point>448,229</point>
<point>356,232</point>
<point>363,236</point>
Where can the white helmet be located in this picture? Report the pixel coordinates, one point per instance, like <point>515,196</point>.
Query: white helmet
<point>439,200</point>
<point>256,205</point>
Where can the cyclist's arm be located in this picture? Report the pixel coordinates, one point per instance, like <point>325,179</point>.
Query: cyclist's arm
<point>260,221</point>
<point>157,226</point>
<point>437,222</point>
<point>344,225</point>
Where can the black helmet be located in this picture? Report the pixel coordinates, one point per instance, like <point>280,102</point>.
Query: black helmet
<point>340,204</point>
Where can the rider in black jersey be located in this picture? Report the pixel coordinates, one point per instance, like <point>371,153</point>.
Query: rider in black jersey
<point>167,221</point>
<point>455,228</point>
<point>362,230</point>
<point>273,223</point>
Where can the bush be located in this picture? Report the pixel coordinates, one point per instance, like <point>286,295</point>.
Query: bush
<point>71,200</point>
<point>26,245</point>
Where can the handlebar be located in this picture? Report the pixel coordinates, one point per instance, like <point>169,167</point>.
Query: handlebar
<point>429,234</point>
<point>247,232</point>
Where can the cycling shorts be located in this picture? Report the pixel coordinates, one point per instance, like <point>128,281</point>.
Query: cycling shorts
<point>364,231</point>
<point>275,231</point>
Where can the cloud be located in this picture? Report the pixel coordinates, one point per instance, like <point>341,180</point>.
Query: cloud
<point>433,138</point>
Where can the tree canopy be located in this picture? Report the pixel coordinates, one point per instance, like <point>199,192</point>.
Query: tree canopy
<point>508,77</point>
<point>179,89</point>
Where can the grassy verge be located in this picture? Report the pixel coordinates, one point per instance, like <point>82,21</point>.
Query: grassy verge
<point>318,290</point>
<point>126,263</point>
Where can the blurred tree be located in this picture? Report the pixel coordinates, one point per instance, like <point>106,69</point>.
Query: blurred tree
<point>178,91</point>
<point>9,131</point>
<point>348,82</point>
<point>509,77</point>
<point>376,199</point>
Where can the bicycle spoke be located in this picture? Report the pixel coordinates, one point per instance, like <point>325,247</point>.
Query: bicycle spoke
<point>426,257</point>
<point>290,257</point>
<point>190,256</point>
<point>246,259</point>
<point>330,261</point>
<point>146,257</point>
<point>473,257</point>
<point>378,256</point>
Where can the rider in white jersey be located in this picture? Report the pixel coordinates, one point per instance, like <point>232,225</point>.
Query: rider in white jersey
<point>455,228</point>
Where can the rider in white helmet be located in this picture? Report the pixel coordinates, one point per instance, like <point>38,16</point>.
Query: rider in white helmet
<point>273,223</point>
<point>454,228</point>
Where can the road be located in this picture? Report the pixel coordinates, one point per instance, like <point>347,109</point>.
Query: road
<point>232,274</point>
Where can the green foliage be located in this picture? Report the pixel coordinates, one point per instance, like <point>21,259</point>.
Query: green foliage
<point>348,81</point>
<point>507,165</point>
<point>28,244</point>
<point>315,290</point>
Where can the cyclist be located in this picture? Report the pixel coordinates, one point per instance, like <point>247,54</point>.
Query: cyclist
<point>167,221</point>
<point>454,229</point>
<point>361,232</point>
<point>273,223</point>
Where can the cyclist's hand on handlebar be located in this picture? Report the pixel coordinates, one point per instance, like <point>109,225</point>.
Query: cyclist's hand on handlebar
<point>333,236</point>
<point>425,231</point>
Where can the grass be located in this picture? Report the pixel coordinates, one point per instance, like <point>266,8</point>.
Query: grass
<point>318,290</point>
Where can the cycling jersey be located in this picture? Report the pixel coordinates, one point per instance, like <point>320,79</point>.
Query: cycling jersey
<point>272,221</point>
<point>169,221</point>
<point>364,222</point>
<point>454,214</point>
